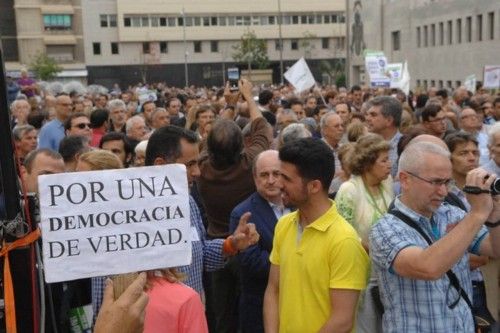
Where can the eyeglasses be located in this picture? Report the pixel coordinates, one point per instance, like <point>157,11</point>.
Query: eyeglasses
<point>433,182</point>
<point>82,125</point>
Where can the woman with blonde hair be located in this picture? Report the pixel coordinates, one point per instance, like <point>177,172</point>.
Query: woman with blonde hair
<point>362,200</point>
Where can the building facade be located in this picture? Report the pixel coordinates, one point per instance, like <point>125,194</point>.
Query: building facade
<point>53,27</point>
<point>129,41</point>
<point>443,41</point>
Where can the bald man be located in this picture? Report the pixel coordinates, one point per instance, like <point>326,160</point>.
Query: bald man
<point>266,206</point>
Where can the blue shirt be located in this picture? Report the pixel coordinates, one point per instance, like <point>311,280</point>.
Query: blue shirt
<point>51,135</point>
<point>206,255</point>
<point>492,167</point>
<point>418,305</point>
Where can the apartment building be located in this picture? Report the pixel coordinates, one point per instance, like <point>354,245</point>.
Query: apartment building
<point>128,41</point>
<point>443,41</point>
<point>53,27</point>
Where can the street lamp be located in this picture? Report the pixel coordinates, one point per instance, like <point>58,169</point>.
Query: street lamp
<point>186,78</point>
<point>280,18</point>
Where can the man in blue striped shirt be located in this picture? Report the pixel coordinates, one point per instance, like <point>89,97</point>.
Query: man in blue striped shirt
<point>415,290</point>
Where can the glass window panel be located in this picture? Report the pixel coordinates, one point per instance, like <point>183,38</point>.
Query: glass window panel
<point>112,20</point>
<point>222,21</point>
<point>171,21</point>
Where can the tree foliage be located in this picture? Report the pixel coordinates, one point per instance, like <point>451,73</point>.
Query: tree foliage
<point>251,51</point>
<point>44,67</point>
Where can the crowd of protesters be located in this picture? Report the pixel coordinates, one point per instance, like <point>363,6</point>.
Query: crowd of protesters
<point>330,177</point>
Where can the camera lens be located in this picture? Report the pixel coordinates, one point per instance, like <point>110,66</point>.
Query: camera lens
<point>495,187</point>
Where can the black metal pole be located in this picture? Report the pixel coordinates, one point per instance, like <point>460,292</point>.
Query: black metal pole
<point>22,260</point>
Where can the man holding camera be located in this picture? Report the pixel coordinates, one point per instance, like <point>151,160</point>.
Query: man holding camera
<point>420,248</point>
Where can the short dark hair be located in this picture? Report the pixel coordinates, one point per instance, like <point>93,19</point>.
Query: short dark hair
<point>146,103</point>
<point>431,110</point>
<point>312,158</point>
<point>67,122</point>
<point>454,139</point>
<point>117,136</point>
<point>72,145</point>
<point>224,143</point>
<point>265,97</point>
<point>355,88</point>
<point>30,158</point>
<point>390,107</point>
<point>98,117</point>
<point>165,142</point>
<point>295,101</point>
<point>442,93</point>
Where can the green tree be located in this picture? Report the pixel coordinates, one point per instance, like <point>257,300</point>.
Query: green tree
<point>335,71</point>
<point>251,51</point>
<point>44,67</point>
<point>307,44</point>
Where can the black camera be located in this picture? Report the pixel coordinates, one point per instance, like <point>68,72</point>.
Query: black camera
<point>495,187</point>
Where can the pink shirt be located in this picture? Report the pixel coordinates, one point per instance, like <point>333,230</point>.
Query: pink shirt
<point>174,308</point>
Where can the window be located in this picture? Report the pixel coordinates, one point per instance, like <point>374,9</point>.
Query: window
<point>295,19</point>
<point>459,31</point>
<point>272,20</point>
<point>450,32</point>
<point>294,44</point>
<point>426,36</point>
<point>163,47</point>
<point>114,48</point>
<point>326,19</point>
<point>440,84</point>
<point>145,21</point>
<point>214,46</point>
<point>303,19</point>
<point>479,24</point>
<point>325,43</point>
<point>231,20</point>
<point>491,25</point>
<point>155,21</point>
<point>104,20</point>
<point>418,83</point>
<point>458,83</point>
<point>213,20</point>
<point>146,48</point>
<point>57,22</point>
<point>433,35</point>
<point>112,20</point>
<point>396,40</point>
<point>468,28</point>
<point>189,21</point>
<point>96,47</point>
<point>449,84</point>
<point>206,21</point>
<point>127,21</point>
<point>222,21</point>
<point>441,33</point>
<point>163,21</point>
<point>419,40</point>
<point>136,21</point>
<point>180,21</point>
<point>197,47</point>
<point>277,45</point>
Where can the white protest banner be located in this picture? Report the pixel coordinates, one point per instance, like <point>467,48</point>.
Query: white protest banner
<point>108,222</point>
<point>395,73</point>
<point>470,83</point>
<point>300,76</point>
<point>491,77</point>
<point>405,80</point>
<point>376,66</point>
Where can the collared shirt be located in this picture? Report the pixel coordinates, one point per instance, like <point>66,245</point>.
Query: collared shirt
<point>279,211</point>
<point>413,305</point>
<point>206,255</point>
<point>328,256</point>
<point>393,153</point>
<point>51,135</point>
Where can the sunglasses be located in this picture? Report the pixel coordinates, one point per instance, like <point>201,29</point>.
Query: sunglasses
<point>82,125</point>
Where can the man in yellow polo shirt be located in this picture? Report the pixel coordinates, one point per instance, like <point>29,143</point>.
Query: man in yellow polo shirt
<point>318,265</point>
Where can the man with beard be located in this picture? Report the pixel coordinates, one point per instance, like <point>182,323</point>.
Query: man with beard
<point>318,265</point>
